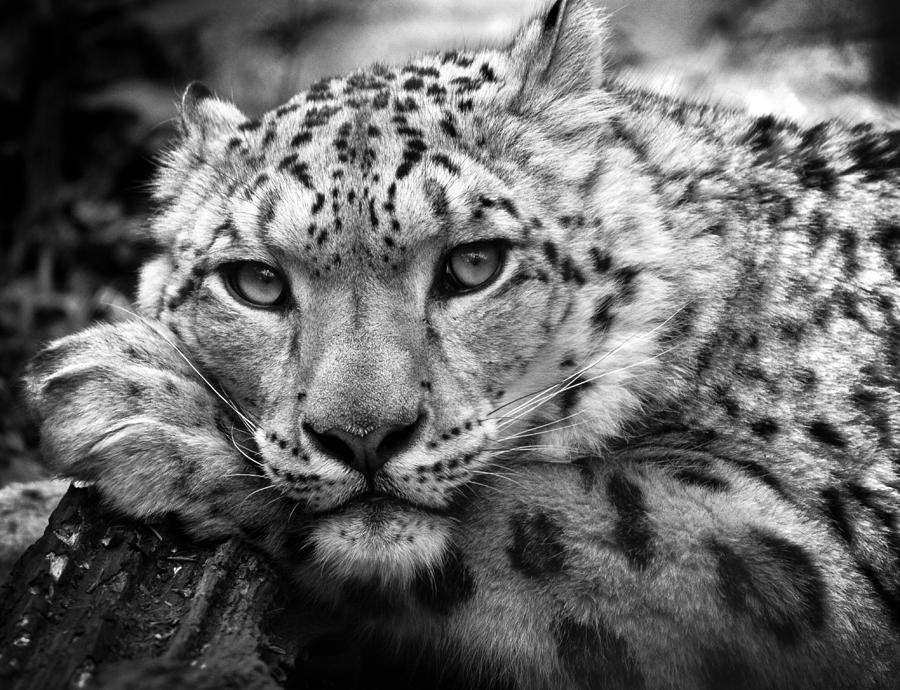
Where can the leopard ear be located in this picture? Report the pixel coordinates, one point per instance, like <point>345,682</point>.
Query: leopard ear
<point>204,117</point>
<point>559,52</point>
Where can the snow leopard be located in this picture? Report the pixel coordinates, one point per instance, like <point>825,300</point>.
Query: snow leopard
<point>502,357</point>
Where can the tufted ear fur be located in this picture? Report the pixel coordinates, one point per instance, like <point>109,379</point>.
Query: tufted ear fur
<point>204,117</point>
<point>207,127</point>
<point>558,53</point>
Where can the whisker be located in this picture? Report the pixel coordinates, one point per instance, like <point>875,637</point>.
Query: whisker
<point>497,470</point>
<point>517,449</point>
<point>500,475</point>
<point>500,443</point>
<point>240,450</point>
<point>256,491</point>
<point>572,377</point>
<point>536,429</point>
<point>582,382</point>
<point>647,334</point>
<point>487,487</point>
<point>534,404</point>
<point>533,397</point>
<point>514,400</point>
<point>279,497</point>
<point>244,418</point>
<point>537,446</point>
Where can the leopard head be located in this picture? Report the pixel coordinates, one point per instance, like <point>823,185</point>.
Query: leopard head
<point>406,278</point>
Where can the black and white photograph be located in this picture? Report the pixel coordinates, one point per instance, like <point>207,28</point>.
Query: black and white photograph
<point>450,344</point>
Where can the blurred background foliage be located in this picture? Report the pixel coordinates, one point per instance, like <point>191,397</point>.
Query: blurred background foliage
<point>88,92</point>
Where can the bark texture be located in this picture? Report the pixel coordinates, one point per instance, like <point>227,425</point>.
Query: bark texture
<point>102,603</point>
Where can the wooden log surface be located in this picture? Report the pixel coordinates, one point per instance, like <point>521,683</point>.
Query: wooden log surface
<point>99,602</point>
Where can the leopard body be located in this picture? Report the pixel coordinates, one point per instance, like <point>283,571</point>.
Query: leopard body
<point>661,448</point>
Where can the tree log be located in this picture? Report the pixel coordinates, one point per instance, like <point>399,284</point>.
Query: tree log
<point>99,602</point>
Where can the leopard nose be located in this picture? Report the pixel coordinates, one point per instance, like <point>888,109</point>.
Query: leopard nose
<point>369,452</point>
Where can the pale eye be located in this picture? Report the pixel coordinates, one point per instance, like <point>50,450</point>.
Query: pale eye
<point>474,265</point>
<point>255,283</point>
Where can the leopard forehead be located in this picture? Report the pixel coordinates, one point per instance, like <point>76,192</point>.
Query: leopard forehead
<point>360,165</point>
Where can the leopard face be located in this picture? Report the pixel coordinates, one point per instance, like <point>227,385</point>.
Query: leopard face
<point>382,279</point>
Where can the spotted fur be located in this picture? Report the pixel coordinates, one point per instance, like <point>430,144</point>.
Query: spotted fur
<point>659,450</point>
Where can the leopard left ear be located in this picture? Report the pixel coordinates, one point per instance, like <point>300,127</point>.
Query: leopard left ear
<point>205,117</point>
<point>559,52</point>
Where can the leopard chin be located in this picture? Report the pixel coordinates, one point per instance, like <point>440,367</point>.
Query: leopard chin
<point>381,540</point>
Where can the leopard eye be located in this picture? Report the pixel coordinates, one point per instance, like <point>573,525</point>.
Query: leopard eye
<point>474,265</point>
<point>255,284</point>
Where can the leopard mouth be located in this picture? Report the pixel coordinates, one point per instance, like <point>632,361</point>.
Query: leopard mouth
<point>440,488</point>
<point>374,505</point>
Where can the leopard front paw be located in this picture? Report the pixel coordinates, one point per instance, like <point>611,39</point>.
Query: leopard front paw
<point>122,406</point>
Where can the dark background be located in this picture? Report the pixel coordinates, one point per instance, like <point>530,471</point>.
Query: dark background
<point>88,90</point>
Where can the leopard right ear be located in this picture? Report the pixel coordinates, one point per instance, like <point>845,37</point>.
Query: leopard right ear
<point>558,53</point>
<point>204,117</point>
